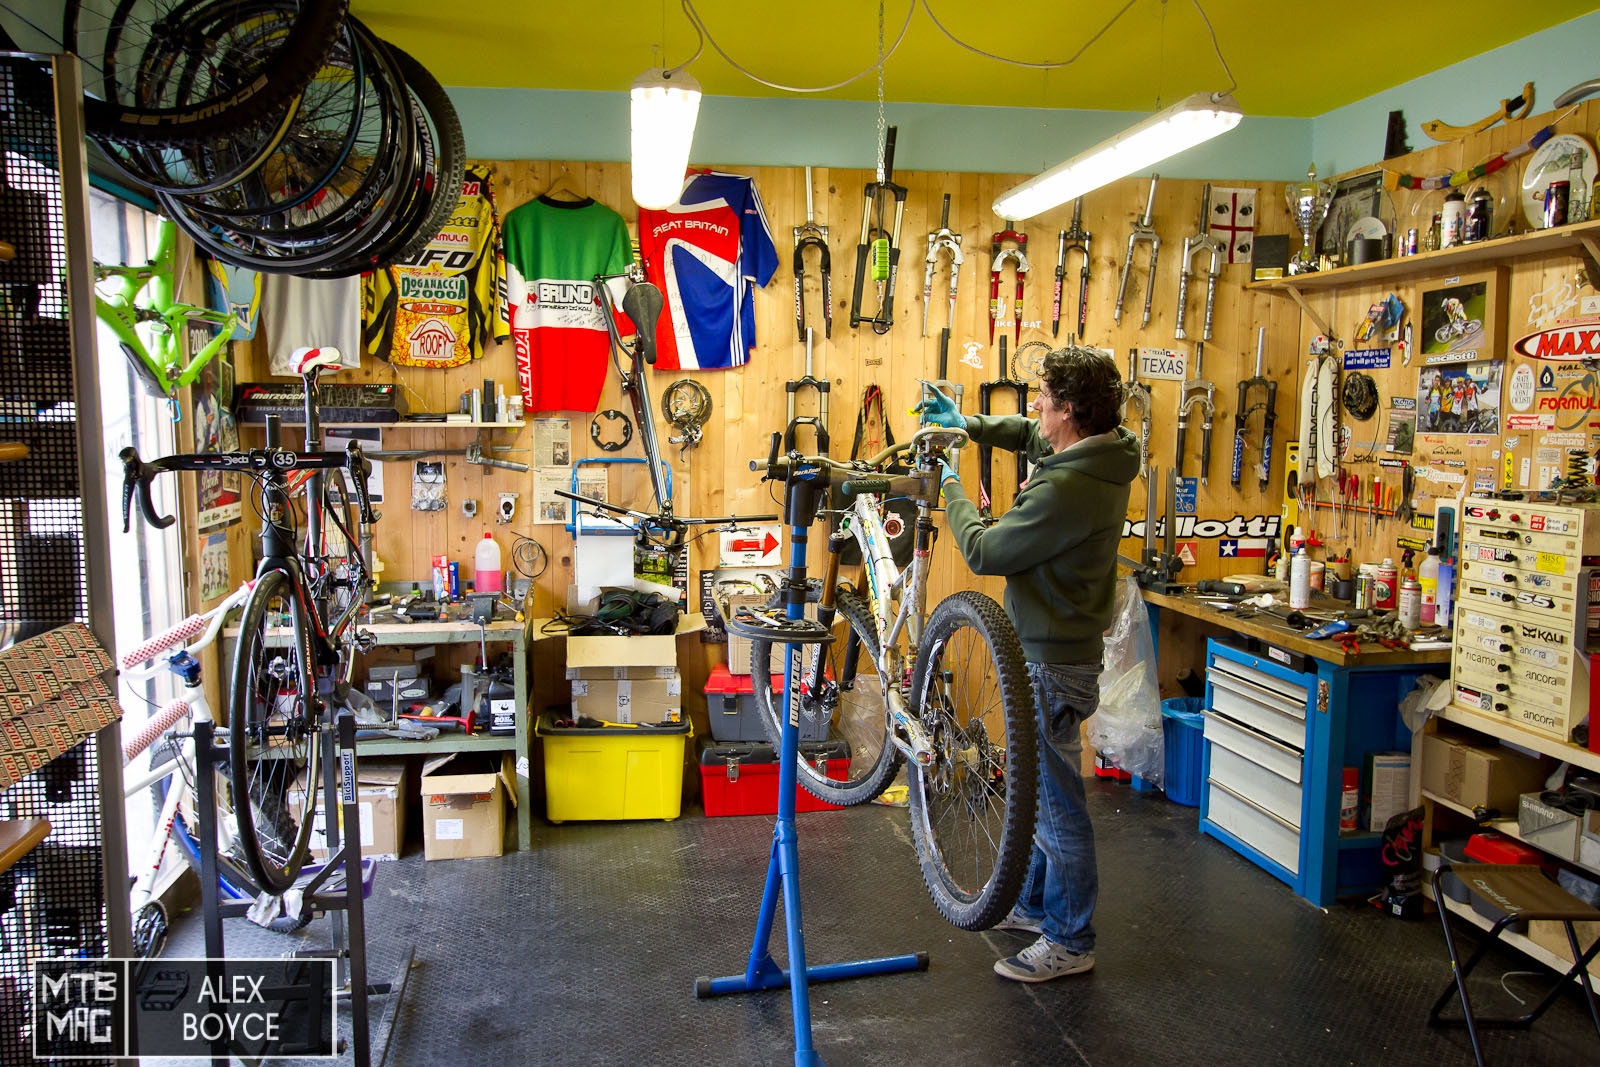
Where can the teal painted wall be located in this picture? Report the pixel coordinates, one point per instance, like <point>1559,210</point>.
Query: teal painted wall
<point>1554,60</point>
<point>545,124</point>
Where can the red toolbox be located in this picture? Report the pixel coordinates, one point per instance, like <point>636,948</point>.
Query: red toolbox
<point>741,778</point>
<point>731,704</point>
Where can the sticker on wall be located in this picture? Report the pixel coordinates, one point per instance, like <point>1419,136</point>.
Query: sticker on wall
<point>972,354</point>
<point>1242,548</point>
<point>1553,301</point>
<point>1520,395</point>
<point>1233,220</point>
<point>1530,422</point>
<point>1168,364</point>
<point>1188,493</point>
<point>1366,359</point>
<point>1483,480</point>
<point>1547,380</point>
<point>1572,340</point>
<point>1190,528</point>
<point>1527,472</point>
<point>1189,551</point>
<point>756,545</point>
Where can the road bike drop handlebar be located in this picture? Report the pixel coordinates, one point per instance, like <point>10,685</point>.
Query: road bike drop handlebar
<point>137,474</point>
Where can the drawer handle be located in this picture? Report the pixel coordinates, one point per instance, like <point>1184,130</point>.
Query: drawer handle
<point>1502,707</point>
<point>1503,668</point>
<point>1501,687</point>
<point>1257,807</point>
<point>1505,648</point>
<point>1508,577</point>
<point>1255,734</point>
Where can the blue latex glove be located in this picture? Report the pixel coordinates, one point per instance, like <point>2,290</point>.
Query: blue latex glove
<point>946,473</point>
<point>940,410</point>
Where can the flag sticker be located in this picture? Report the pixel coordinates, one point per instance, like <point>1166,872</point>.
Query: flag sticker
<point>1231,548</point>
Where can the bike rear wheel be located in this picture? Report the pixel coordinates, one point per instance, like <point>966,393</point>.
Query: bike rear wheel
<point>849,696</point>
<point>972,808</point>
<point>273,731</point>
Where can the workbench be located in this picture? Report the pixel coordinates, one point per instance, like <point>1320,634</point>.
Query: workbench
<point>1284,717</point>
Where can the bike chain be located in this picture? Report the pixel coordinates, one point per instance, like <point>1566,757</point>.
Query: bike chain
<point>687,405</point>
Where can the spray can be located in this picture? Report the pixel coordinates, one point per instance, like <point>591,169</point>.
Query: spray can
<point>1300,581</point>
<point>1386,588</point>
<point>1410,602</point>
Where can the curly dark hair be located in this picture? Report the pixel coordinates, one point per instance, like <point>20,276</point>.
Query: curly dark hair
<point>1087,379</point>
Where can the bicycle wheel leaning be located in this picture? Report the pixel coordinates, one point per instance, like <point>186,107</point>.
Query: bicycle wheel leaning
<point>273,731</point>
<point>972,809</point>
<point>849,696</point>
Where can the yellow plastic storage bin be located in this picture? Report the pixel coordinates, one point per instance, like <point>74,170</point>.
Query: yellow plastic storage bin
<point>613,772</point>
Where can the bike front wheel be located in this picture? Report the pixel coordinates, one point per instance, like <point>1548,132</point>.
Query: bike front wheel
<point>972,807</point>
<point>273,732</point>
<point>839,683</point>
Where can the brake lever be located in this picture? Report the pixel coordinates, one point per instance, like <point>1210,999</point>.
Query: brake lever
<point>135,474</point>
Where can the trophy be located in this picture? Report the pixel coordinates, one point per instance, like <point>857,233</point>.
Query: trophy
<point>1308,206</point>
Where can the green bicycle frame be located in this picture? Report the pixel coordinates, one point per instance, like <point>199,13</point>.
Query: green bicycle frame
<point>117,292</point>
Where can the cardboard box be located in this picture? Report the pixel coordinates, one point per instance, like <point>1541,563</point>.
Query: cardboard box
<point>1388,776</point>
<point>1552,937</point>
<point>1548,828</point>
<point>1473,774</point>
<point>738,644</point>
<point>380,809</point>
<point>638,650</point>
<point>618,674</point>
<point>404,690</point>
<point>629,700</point>
<point>463,805</point>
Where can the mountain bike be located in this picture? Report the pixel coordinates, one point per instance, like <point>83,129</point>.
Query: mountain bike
<point>947,693</point>
<point>297,627</point>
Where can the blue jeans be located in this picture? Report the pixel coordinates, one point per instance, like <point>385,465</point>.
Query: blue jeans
<point>1062,884</point>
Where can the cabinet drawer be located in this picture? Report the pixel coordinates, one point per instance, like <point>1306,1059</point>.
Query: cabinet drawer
<point>1507,553</point>
<point>1533,684</point>
<point>1518,539</point>
<point>1525,604</point>
<point>1516,579</point>
<point>1263,713</point>
<point>1255,783</point>
<point>1525,517</point>
<point>1277,757</point>
<point>1252,825</point>
<point>1291,694</point>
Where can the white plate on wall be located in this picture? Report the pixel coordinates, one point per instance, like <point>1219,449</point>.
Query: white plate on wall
<point>1564,157</point>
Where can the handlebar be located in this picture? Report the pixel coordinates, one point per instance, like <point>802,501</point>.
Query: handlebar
<point>138,474</point>
<point>663,521</point>
<point>205,627</point>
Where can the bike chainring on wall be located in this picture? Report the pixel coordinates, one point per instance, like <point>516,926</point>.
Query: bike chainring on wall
<point>612,418</point>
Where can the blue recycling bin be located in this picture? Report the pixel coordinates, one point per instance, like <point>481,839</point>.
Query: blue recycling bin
<point>1183,731</point>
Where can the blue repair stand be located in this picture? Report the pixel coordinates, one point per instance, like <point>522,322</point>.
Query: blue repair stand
<point>783,867</point>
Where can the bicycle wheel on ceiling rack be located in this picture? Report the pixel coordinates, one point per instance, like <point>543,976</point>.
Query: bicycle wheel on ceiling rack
<point>273,731</point>
<point>238,75</point>
<point>849,696</point>
<point>972,809</point>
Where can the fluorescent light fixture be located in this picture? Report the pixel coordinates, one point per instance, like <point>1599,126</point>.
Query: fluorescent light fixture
<point>1191,121</point>
<point>665,105</point>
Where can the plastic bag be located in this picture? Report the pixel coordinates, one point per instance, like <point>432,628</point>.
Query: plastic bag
<point>1127,727</point>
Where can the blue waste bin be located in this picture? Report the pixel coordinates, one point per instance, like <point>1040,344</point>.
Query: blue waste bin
<point>1183,731</point>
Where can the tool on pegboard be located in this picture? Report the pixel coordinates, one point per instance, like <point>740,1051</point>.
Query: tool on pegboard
<point>1241,416</point>
<point>812,234</point>
<point>986,391</point>
<point>1002,254</point>
<point>1200,242</point>
<point>1073,239</point>
<point>1137,393</point>
<point>820,420</point>
<point>1197,392</point>
<point>1143,233</point>
<point>940,241</point>
<point>880,244</point>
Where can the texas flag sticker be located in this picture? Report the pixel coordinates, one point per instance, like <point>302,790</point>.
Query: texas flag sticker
<point>1231,548</point>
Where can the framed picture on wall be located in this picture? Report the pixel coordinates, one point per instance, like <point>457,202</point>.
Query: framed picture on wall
<point>1459,398</point>
<point>1357,197</point>
<point>1461,319</point>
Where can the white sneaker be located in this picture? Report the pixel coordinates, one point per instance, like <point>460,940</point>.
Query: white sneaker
<point>1042,961</point>
<point>1019,923</point>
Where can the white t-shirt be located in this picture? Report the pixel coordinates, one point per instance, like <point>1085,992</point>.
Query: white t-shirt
<point>310,313</point>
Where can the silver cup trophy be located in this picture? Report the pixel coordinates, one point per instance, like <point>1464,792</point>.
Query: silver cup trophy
<point>1308,206</point>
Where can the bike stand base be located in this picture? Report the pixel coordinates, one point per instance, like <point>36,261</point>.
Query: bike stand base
<point>770,976</point>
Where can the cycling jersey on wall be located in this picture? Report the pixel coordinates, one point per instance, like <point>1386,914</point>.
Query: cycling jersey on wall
<point>554,249</point>
<point>442,306</point>
<point>235,289</point>
<point>310,313</point>
<point>705,252</point>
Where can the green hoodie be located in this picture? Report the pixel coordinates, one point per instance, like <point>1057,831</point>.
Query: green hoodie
<point>1057,546</point>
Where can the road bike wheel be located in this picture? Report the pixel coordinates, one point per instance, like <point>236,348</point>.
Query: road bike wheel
<point>239,75</point>
<point>273,731</point>
<point>342,572</point>
<point>972,808</point>
<point>850,697</point>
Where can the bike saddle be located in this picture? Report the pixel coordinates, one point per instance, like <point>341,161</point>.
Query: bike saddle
<point>305,360</point>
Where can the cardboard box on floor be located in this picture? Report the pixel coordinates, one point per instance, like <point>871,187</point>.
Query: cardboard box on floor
<point>380,809</point>
<point>635,676</point>
<point>463,805</point>
<point>1479,774</point>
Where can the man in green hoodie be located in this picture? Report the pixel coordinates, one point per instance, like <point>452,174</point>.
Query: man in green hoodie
<point>1057,547</point>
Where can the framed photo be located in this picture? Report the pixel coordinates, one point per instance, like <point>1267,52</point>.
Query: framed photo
<point>1462,319</point>
<point>1356,197</point>
<point>1459,398</point>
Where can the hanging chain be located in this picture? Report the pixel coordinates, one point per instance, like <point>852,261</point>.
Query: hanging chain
<point>883,126</point>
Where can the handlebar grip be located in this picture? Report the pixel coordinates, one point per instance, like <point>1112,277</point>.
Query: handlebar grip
<point>857,486</point>
<point>181,634</point>
<point>154,727</point>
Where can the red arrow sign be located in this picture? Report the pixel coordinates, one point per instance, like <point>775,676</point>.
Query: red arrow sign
<point>754,544</point>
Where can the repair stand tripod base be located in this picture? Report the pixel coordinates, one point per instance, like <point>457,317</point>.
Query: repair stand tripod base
<point>783,865</point>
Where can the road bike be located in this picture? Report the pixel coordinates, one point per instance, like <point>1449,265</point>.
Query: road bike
<point>945,692</point>
<point>298,627</point>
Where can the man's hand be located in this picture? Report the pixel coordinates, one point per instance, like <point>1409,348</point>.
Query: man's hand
<point>940,410</point>
<point>947,473</point>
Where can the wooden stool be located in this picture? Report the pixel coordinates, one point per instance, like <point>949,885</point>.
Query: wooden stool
<point>1512,895</point>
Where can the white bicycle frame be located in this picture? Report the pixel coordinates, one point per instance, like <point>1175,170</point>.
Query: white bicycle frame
<point>192,705</point>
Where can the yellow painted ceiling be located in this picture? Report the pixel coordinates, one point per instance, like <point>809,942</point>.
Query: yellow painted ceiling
<point>1291,58</point>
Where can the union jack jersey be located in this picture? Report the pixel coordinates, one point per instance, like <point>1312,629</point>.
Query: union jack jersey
<point>707,253</point>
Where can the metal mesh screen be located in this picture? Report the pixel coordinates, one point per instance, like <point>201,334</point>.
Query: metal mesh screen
<point>52,903</point>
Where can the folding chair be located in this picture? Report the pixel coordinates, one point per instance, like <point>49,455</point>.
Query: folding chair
<point>1512,896</point>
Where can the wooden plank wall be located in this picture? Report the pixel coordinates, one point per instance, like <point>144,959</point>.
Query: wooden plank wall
<point>749,404</point>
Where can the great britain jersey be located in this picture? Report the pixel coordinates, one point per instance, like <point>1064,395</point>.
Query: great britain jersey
<point>554,249</point>
<point>442,306</point>
<point>707,253</point>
